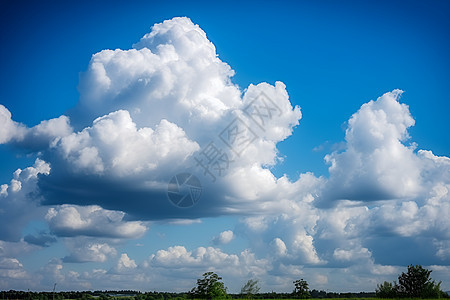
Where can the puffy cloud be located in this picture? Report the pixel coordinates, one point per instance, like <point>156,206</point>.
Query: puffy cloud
<point>148,113</point>
<point>16,205</point>
<point>174,65</point>
<point>13,274</point>
<point>10,263</point>
<point>303,244</point>
<point>125,264</point>
<point>36,138</point>
<point>407,190</point>
<point>43,239</point>
<point>375,165</point>
<point>443,249</point>
<point>412,219</point>
<point>352,254</point>
<point>40,136</point>
<point>70,220</point>
<point>13,249</point>
<point>53,271</point>
<point>82,251</point>
<point>178,256</point>
<point>157,272</point>
<point>291,234</point>
<point>11,270</point>
<point>208,258</point>
<point>435,169</point>
<point>224,237</point>
<point>114,145</point>
<point>178,262</point>
<point>279,247</point>
<point>142,115</point>
<point>9,129</point>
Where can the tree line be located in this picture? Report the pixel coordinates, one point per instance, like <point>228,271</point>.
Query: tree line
<point>415,283</point>
<point>136,295</point>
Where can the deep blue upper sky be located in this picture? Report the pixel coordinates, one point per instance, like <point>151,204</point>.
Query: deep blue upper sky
<point>332,56</point>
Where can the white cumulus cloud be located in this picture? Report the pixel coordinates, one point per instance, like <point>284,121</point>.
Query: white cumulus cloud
<point>224,237</point>
<point>70,220</point>
<point>82,251</point>
<point>17,208</point>
<point>376,164</point>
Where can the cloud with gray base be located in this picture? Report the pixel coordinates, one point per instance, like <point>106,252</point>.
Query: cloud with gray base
<point>144,114</point>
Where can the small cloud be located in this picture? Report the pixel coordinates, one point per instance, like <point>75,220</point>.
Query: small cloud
<point>43,239</point>
<point>126,262</point>
<point>336,147</point>
<point>185,221</point>
<point>321,147</point>
<point>94,221</point>
<point>124,265</point>
<point>89,252</point>
<point>352,254</point>
<point>279,247</point>
<point>36,138</point>
<point>224,238</point>
<point>321,279</point>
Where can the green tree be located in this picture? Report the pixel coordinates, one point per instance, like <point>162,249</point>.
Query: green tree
<point>210,287</point>
<point>416,282</point>
<point>386,290</point>
<point>250,288</point>
<point>433,290</point>
<point>301,289</point>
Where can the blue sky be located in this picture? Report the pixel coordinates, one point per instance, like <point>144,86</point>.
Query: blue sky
<point>383,195</point>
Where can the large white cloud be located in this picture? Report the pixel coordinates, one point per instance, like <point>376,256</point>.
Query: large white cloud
<point>148,113</point>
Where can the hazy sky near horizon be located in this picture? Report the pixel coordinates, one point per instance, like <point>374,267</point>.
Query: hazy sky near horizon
<point>312,137</point>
